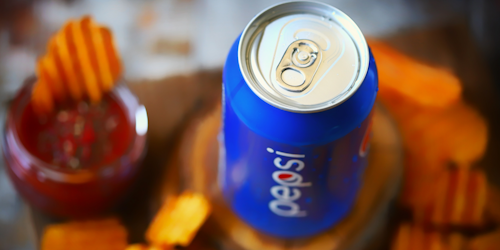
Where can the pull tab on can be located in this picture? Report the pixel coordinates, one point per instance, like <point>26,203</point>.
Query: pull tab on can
<point>298,65</point>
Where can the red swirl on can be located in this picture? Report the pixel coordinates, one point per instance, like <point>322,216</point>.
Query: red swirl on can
<point>365,144</point>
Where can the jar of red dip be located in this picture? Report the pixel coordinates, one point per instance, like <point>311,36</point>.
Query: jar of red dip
<point>78,160</point>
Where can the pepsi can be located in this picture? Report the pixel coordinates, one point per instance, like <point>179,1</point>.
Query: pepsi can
<point>299,87</point>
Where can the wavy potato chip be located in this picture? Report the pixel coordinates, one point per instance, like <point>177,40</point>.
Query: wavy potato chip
<point>47,73</point>
<point>490,241</point>
<point>411,237</point>
<point>493,204</point>
<point>411,117</point>
<point>105,234</point>
<point>42,96</point>
<point>178,220</point>
<point>434,139</point>
<point>81,62</point>
<point>458,134</point>
<point>400,75</point>
<point>145,247</point>
<point>459,199</point>
<point>420,179</point>
<point>467,134</point>
<point>439,131</point>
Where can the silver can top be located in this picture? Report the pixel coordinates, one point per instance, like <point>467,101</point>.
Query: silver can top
<point>303,56</point>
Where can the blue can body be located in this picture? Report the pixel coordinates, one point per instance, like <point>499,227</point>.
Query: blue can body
<point>292,174</point>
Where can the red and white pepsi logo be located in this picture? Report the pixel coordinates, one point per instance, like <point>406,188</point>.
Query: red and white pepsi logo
<point>287,192</point>
<point>365,143</point>
<point>289,178</point>
<point>285,176</point>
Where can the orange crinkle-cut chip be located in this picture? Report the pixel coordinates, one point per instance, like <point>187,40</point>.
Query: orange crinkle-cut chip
<point>105,234</point>
<point>145,247</point>
<point>451,130</point>
<point>400,75</point>
<point>443,138</point>
<point>489,241</point>
<point>459,200</point>
<point>42,98</point>
<point>411,237</point>
<point>493,204</point>
<point>458,134</point>
<point>81,62</point>
<point>437,128</point>
<point>420,179</point>
<point>178,220</point>
<point>435,139</point>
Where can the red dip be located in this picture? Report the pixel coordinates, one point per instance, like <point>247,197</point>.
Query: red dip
<point>78,136</point>
<point>79,160</point>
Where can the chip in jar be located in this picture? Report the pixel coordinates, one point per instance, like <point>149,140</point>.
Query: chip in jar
<point>81,62</point>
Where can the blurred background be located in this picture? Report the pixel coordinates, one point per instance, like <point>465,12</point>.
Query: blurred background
<point>158,38</point>
<point>161,38</point>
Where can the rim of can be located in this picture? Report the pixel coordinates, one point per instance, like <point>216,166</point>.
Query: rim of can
<point>255,26</point>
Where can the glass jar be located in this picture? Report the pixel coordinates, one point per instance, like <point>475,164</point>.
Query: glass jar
<point>74,192</point>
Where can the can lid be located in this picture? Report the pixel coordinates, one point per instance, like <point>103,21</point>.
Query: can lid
<point>303,56</point>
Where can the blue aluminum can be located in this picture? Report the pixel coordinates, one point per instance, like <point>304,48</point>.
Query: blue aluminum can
<point>299,87</point>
